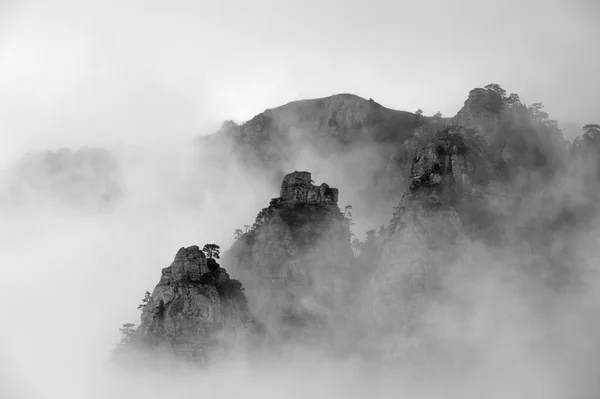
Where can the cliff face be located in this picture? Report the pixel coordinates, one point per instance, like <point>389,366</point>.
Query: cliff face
<point>196,310</point>
<point>296,262</point>
<point>425,234</point>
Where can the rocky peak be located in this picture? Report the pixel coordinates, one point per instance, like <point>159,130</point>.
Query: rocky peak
<point>297,188</point>
<point>481,112</point>
<point>195,310</point>
<point>189,263</point>
<point>295,261</point>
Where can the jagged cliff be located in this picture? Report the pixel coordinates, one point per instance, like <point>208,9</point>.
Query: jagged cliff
<point>425,234</point>
<point>296,262</point>
<point>196,311</point>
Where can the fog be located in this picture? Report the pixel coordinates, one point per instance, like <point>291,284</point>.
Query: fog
<point>75,75</point>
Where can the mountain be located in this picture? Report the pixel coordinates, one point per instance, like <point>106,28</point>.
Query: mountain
<point>497,184</point>
<point>296,262</point>
<point>333,124</point>
<point>195,312</point>
<point>344,137</point>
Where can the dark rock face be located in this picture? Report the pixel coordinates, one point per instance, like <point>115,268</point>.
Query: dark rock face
<point>196,310</point>
<point>296,263</point>
<point>296,188</point>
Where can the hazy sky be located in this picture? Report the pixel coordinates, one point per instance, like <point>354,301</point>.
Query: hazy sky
<point>96,72</point>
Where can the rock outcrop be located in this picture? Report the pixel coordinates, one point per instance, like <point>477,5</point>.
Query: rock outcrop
<point>196,311</point>
<point>481,111</point>
<point>296,262</point>
<point>426,233</point>
<point>297,188</point>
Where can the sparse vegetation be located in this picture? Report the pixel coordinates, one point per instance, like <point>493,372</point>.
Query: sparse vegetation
<point>127,333</point>
<point>211,251</point>
<point>147,298</point>
<point>592,130</point>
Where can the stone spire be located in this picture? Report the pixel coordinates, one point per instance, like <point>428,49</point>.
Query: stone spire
<point>297,187</point>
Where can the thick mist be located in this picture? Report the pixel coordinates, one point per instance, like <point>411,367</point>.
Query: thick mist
<point>144,88</point>
<point>73,275</point>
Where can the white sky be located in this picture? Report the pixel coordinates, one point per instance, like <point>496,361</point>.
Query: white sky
<point>107,72</point>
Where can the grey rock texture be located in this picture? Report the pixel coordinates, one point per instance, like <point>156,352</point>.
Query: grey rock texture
<point>296,263</point>
<point>196,313</point>
<point>296,188</point>
<point>426,233</point>
<point>481,111</point>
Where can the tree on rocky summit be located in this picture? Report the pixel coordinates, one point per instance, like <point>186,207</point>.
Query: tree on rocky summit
<point>538,114</point>
<point>238,233</point>
<point>127,332</point>
<point>513,100</point>
<point>438,115</point>
<point>419,112</point>
<point>147,298</point>
<point>211,251</point>
<point>592,130</point>
<point>497,88</point>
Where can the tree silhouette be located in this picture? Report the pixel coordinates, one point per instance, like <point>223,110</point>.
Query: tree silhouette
<point>592,130</point>
<point>147,298</point>
<point>127,332</point>
<point>238,233</point>
<point>538,114</point>
<point>513,100</point>
<point>496,87</point>
<point>211,251</point>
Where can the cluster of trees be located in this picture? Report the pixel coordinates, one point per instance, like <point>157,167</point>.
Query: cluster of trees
<point>532,139</point>
<point>592,130</point>
<point>238,233</point>
<point>419,113</point>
